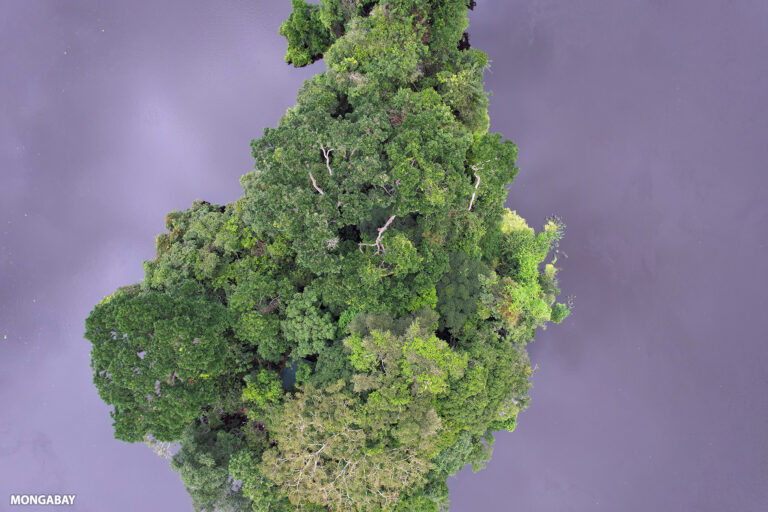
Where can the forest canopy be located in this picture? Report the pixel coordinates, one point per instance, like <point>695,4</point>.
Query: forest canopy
<point>352,331</point>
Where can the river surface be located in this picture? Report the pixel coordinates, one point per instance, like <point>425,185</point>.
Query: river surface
<point>641,122</point>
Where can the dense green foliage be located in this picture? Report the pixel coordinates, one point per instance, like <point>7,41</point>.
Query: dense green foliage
<point>352,330</point>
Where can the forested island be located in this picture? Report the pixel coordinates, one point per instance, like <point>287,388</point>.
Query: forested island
<point>353,330</point>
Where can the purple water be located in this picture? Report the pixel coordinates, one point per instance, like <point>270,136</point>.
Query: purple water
<point>642,123</point>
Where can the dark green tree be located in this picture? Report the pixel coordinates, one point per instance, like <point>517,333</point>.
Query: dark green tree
<point>353,330</point>
<point>203,464</point>
<point>158,358</point>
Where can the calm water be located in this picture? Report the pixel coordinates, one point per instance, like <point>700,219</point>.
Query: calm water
<point>641,123</point>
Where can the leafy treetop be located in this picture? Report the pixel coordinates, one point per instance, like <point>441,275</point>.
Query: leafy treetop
<point>352,330</point>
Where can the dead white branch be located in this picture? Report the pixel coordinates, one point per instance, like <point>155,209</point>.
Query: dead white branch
<point>479,166</point>
<point>377,243</point>
<point>476,168</point>
<point>477,184</point>
<point>314,183</point>
<point>327,155</point>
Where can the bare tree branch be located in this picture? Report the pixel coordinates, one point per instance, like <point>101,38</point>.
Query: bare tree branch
<point>314,183</point>
<point>326,154</point>
<point>476,168</point>
<point>479,166</point>
<point>477,184</point>
<point>377,243</point>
